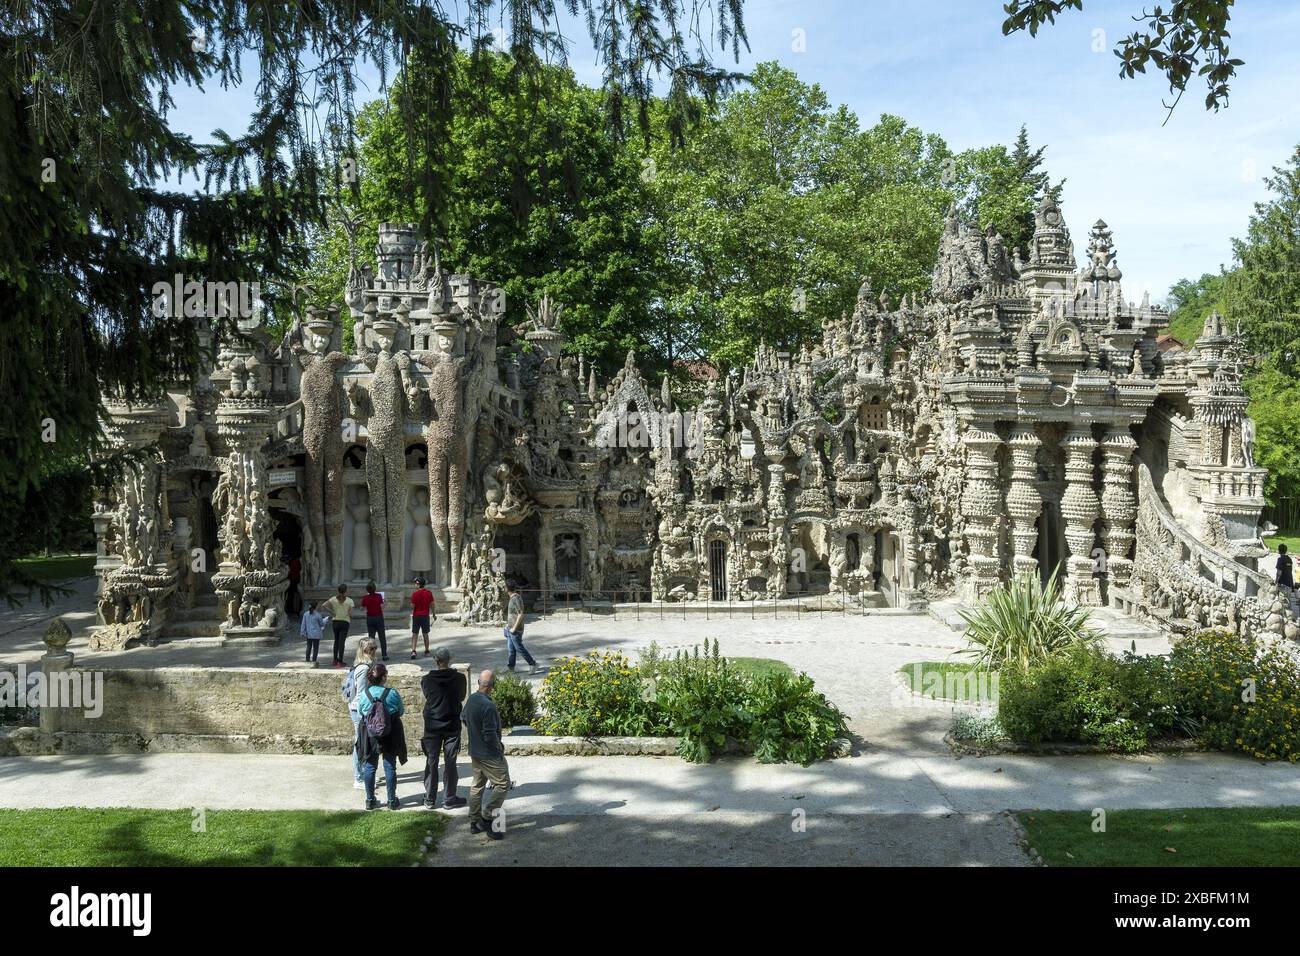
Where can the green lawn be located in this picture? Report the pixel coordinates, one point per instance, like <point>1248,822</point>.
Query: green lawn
<point>950,680</point>
<point>759,666</point>
<point>132,837</point>
<point>1289,537</point>
<point>58,567</point>
<point>1236,836</point>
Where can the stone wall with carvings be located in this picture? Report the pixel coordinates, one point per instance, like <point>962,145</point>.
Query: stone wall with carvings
<point>918,448</point>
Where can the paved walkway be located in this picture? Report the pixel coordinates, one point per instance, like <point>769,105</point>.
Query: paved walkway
<point>852,657</point>
<point>902,798</point>
<point>879,807</point>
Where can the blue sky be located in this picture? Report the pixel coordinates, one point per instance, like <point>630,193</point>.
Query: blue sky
<point>1173,194</point>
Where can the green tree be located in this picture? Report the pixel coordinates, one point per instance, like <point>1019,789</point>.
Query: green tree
<point>779,206</point>
<point>91,216</point>
<point>1001,188</point>
<point>1190,302</point>
<point>1264,289</point>
<point>1185,38</point>
<point>1261,293</point>
<point>535,193</point>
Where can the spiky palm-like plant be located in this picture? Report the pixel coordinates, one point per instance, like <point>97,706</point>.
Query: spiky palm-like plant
<point>1024,622</point>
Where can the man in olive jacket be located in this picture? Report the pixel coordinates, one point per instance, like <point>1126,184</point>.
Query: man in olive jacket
<point>444,690</point>
<point>488,757</point>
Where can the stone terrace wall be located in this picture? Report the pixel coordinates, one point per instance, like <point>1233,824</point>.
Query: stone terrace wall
<point>260,710</point>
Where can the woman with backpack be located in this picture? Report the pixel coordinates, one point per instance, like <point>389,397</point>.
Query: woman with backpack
<point>380,734</point>
<point>354,685</point>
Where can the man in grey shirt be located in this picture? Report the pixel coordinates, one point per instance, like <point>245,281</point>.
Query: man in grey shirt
<point>487,756</point>
<point>515,629</point>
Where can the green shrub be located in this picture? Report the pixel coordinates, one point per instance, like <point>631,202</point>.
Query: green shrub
<point>1084,695</point>
<point>599,695</point>
<point>790,720</point>
<point>1239,693</point>
<point>704,700</point>
<point>1022,623</point>
<point>701,698</point>
<point>514,700</point>
<point>978,728</point>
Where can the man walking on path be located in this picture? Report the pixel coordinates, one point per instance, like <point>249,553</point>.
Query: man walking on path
<point>487,755</point>
<point>444,691</point>
<point>421,612</point>
<point>515,629</point>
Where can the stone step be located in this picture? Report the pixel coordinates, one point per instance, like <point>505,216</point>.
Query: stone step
<point>188,614</point>
<point>1114,623</point>
<point>946,612</point>
<point>185,630</point>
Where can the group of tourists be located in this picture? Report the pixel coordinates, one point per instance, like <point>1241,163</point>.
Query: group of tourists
<point>335,616</point>
<point>377,712</point>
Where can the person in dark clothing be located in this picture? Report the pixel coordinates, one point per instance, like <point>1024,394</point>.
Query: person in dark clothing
<point>444,694</point>
<point>487,755</point>
<point>1285,568</point>
<point>391,746</point>
<point>373,602</point>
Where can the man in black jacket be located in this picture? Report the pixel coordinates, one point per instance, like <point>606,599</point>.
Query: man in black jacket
<point>444,694</point>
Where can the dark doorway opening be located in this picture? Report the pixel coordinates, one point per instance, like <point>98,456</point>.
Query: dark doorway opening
<point>1048,551</point>
<point>718,570</point>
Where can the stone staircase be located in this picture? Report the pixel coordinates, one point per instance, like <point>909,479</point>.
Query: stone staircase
<point>199,624</point>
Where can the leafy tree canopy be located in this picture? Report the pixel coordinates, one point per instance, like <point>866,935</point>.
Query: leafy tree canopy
<point>1187,38</point>
<point>90,220</point>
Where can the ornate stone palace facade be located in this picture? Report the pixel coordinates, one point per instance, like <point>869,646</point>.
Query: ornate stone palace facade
<point>1021,417</point>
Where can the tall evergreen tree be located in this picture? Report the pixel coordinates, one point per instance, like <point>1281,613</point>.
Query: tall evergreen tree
<point>89,220</point>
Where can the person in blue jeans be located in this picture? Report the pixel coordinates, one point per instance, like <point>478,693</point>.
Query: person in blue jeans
<point>360,673</point>
<point>514,630</point>
<point>312,629</point>
<point>390,746</point>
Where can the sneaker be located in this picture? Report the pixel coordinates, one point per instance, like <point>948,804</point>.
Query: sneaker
<point>371,803</point>
<point>494,834</point>
<point>412,655</point>
<point>385,657</point>
<point>429,805</point>
<point>476,827</point>
<point>358,785</point>
<point>532,668</point>
<point>454,803</point>
<point>394,805</point>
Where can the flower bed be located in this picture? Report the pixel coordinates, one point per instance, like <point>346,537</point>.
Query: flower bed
<point>1216,689</point>
<point>705,701</point>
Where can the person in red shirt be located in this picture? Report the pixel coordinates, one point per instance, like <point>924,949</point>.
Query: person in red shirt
<point>373,602</point>
<point>421,611</point>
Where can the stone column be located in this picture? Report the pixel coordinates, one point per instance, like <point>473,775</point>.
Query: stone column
<point>1118,505</point>
<point>776,515</point>
<point>1024,498</point>
<point>1080,507</point>
<point>57,658</point>
<point>981,501</point>
<point>252,579</point>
